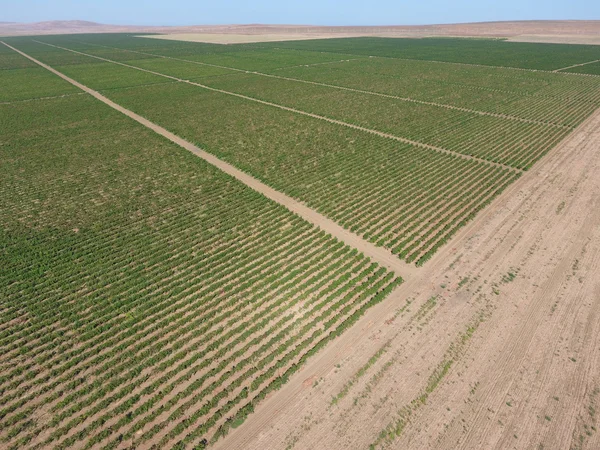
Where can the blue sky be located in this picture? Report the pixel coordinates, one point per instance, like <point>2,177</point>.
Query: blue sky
<point>314,12</point>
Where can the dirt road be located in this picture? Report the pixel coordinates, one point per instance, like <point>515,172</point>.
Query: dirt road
<point>499,347</point>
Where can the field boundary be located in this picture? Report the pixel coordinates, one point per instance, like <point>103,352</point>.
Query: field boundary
<point>304,113</point>
<point>578,65</point>
<point>345,88</point>
<point>313,64</point>
<point>53,97</point>
<point>523,69</point>
<point>377,254</point>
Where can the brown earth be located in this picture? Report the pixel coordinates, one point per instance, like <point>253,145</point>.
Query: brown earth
<point>243,38</point>
<point>567,31</point>
<point>498,348</point>
<point>585,39</point>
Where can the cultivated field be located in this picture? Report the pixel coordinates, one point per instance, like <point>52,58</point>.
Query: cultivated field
<point>154,295</point>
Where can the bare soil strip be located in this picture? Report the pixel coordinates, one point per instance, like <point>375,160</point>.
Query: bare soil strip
<point>41,98</point>
<point>577,65</point>
<point>537,367</point>
<point>528,377</point>
<point>302,65</point>
<point>298,111</point>
<point>377,254</point>
<point>335,86</point>
<point>230,38</point>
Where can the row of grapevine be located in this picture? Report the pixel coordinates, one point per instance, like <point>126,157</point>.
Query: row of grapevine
<point>588,69</point>
<point>555,98</point>
<point>26,83</point>
<point>141,283</point>
<point>545,97</point>
<point>380,198</point>
<point>558,100</point>
<point>393,192</point>
<point>498,139</point>
<point>468,133</point>
<point>482,136</point>
<point>515,56</point>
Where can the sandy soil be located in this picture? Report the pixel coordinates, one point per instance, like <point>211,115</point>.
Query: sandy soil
<point>230,38</point>
<point>557,39</point>
<point>499,347</point>
<point>567,31</point>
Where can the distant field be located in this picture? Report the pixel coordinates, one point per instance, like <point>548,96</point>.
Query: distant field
<point>149,298</point>
<point>467,51</point>
<point>590,69</point>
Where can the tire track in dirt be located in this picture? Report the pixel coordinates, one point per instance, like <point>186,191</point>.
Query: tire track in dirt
<point>572,330</point>
<point>488,420</point>
<point>516,349</point>
<point>490,246</point>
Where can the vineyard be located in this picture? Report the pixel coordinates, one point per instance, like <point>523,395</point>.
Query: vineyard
<point>149,299</point>
<point>590,69</point>
<point>497,53</point>
<point>141,286</point>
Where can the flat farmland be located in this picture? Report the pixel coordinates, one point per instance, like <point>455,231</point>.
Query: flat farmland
<point>151,300</point>
<point>143,279</point>
<point>590,68</point>
<point>492,52</point>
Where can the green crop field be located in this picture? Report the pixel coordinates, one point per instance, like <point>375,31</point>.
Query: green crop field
<point>465,51</point>
<point>142,281</point>
<point>590,69</point>
<point>147,298</point>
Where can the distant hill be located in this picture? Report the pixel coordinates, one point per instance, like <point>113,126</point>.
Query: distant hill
<point>56,27</point>
<point>67,23</point>
<point>569,31</point>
